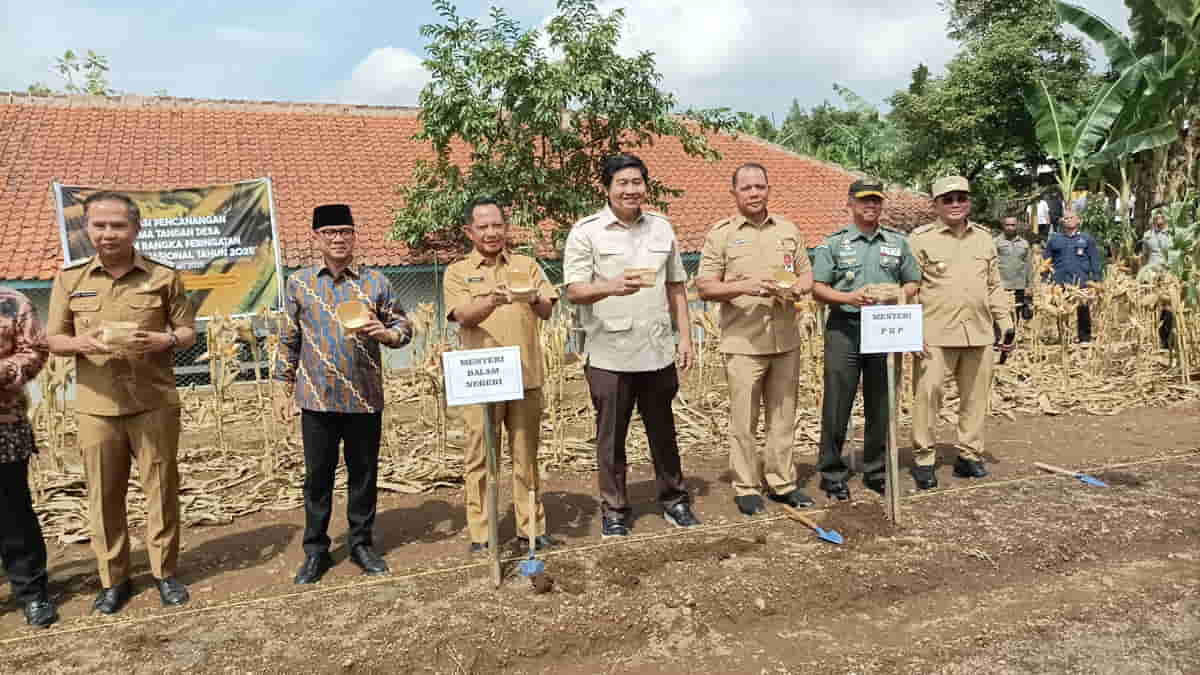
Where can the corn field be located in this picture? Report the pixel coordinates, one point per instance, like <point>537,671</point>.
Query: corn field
<point>236,458</point>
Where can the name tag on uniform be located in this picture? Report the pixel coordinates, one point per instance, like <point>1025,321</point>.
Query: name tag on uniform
<point>740,242</point>
<point>893,251</point>
<point>84,294</point>
<point>474,280</point>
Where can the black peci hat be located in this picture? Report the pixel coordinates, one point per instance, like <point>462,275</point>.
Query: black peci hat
<point>331,215</point>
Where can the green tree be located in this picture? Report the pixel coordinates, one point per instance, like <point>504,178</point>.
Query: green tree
<point>528,121</point>
<point>81,75</point>
<point>972,120</point>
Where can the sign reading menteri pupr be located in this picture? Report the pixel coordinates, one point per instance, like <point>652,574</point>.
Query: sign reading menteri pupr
<point>892,328</point>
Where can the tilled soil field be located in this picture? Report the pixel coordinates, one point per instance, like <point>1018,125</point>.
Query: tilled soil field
<point>1018,573</point>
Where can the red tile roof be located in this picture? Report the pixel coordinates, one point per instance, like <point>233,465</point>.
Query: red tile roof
<point>318,153</point>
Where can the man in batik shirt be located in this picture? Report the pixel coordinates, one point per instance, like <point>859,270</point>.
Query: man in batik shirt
<point>333,374</point>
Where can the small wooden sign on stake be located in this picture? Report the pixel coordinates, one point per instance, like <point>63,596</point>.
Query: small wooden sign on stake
<point>484,376</point>
<point>892,329</point>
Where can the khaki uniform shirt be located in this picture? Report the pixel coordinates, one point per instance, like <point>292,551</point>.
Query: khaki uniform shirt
<point>736,248</point>
<point>1016,263</point>
<point>514,324</point>
<point>960,286</point>
<point>848,260</point>
<point>152,295</point>
<point>630,333</point>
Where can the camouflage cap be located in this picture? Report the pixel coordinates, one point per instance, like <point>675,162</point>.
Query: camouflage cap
<point>950,184</point>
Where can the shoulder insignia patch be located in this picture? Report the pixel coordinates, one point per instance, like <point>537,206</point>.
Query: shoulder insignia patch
<point>165,263</point>
<point>77,263</point>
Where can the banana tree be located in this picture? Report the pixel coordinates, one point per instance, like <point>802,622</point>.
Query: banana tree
<point>1153,111</point>
<point>1073,138</point>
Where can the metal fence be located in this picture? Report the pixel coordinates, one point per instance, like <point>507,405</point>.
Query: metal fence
<point>414,285</point>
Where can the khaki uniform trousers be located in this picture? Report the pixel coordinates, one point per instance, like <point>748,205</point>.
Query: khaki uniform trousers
<point>523,420</point>
<point>768,381</point>
<point>972,370</point>
<point>109,444</point>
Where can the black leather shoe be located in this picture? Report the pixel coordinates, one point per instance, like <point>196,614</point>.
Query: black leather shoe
<point>41,612</point>
<point>542,542</point>
<point>172,592</point>
<point>111,600</point>
<point>681,515</point>
<point>613,527</point>
<point>750,505</point>
<point>478,547</point>
<point>795,499</point>
<point>876,485</point>
<point>969,468</point>
<point>836,489</point>
<point>368,560</point>
<point>315,566</point>
<point>924,477</point>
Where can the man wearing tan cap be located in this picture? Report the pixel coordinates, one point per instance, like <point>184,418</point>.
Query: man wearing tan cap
<point>962,296</point>
<point>743,259</point>
<point>479,296</point>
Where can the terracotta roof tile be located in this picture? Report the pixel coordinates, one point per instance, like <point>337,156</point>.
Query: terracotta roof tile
<point>319,153</point>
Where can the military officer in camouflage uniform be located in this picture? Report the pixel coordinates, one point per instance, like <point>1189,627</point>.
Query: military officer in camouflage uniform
<point>857,255</point>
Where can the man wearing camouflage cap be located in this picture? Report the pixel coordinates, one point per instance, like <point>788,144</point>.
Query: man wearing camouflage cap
<point>850,259</point>
<point>962,296</point>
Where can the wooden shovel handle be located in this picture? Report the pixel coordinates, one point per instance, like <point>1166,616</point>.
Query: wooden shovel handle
<point>532,518</point>
<point>1055,469</point>
<point>800,517</point>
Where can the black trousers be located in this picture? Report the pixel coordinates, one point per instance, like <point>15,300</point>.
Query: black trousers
<point>1166,328</point>
<point>844,366</point>
<point>359,434</point>
<point>614,395</point>
<point>21,544</point>
<point>1083,319</point>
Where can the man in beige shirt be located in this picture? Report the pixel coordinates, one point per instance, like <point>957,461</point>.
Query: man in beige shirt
<point>125,399</point>
<point>622,268</point>
<point>760,338</point>
<point>962,296</point>
<point>479,297</point>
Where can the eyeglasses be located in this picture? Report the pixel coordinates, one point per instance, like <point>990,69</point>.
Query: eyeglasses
<point>332,235</point>
<point>959,198</point>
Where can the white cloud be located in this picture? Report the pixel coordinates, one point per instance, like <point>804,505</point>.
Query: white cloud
<point>387,76</point>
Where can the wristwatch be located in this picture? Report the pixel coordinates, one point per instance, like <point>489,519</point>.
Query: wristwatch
<point>174,340</point>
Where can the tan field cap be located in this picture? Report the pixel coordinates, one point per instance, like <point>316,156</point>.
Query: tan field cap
<point>950,184</point>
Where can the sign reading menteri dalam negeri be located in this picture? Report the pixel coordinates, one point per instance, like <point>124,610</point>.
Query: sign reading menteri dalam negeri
<point>483,375</point>
<point>892,328</point>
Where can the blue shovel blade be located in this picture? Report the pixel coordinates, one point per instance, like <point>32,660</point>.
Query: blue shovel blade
<point>832,536</point>
<point>532,567</point>
<point>1091,480</point>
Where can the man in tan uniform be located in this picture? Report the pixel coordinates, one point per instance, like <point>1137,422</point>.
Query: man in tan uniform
<point>962,296</point>
<point>125,393</point>
<point>479,296</point>
<point>759,336</point>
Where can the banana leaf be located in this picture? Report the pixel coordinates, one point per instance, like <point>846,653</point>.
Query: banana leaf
<point>1132,144</point>
<point>1116,45</point>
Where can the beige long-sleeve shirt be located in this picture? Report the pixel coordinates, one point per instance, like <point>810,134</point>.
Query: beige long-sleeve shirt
<point>961,290</point>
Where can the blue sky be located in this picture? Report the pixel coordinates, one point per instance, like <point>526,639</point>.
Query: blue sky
<point>754,56</point>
